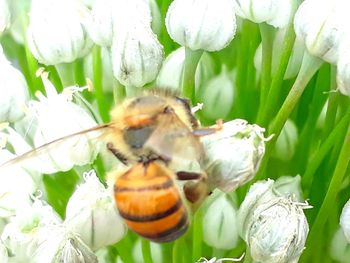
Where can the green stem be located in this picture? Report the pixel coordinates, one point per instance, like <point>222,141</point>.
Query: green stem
<point>268,109</point>
<point>35,82</point>
<point>308,131</point>
<point>330,198</point>
<point>308,68</point>
<point>197,235</point>
<point>316,160</point>
<point>266,32</point>
<point>131,91</point>
<point>188,78</point>
<point>55,78</point>
<point>248,257</point>
<point>79,75</point>
<point>146,251</point>
<point>177,255</point>
<point>98,87</point>
<point>119,92</point>
<point>124,250</point>
<point>66,74</point>
<point>332,107</point>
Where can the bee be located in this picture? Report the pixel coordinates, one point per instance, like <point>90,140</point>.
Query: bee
<point>151,134</point>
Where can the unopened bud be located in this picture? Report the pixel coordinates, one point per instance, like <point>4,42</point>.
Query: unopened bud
<point>273,226</point>
<point>186,24</point>
<point>220,223</point>
<point>233,154</point>
<point>92,214</point>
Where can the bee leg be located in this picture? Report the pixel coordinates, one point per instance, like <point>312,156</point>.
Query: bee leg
<point>208,131</point>
<point>117,154</point>
<point>196,191</point>
<point>186,176</point>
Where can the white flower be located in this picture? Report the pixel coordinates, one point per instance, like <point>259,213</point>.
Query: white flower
<point>323,26</point>
<point>218,91</point>
<point>58,244</point>
<point>57,116</point>
<point>287,141</point>
<point>273,12</point>
<point>295,59</point>
<point>233,154</point>
<point>92,214</point>
<point>20,235</point>
<point>137,55</point>
<point>56,33</point>
<point>207,25</point>
<point>156,252</point>
<point>13,89</point>
<point>220,223</point>
<point>345,220</point>
<point>340,248</point>
<point>273,226</point>
<point>170,75</point>
<point>5,15</point>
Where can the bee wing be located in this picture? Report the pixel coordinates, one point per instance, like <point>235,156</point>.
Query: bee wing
<point>36,159</point>
<point>173,139</point>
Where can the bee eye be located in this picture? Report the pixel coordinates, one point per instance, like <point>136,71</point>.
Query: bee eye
<point>168,109</point>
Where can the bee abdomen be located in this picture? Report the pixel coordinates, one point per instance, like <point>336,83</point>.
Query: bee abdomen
<point>153,209</point>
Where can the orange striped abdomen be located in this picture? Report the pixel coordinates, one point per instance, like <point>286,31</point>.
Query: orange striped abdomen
<point>150,203</point>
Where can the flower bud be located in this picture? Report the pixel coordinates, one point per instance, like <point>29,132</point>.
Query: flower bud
<point>156,252</point>
<point>20,235</point>
<point>108,17</point>
<point>18,24</point>
<point>13,90</point>
<point>323,26</point>
<point>340,248</point>
<point>289,186</point>
<point>56,33</point>
<point>233,154</point>
<point>273,226</point>
<point>196,24</point>
<point>286,142</point>
<point>91,213</point>
<point>295,59</point>
<point>273,12</point>
<point>345,220</point>
<point>219,223</point>
<point>57,116</point>
<point>57,244</point>
<point>100,22</point>
<point>218,91</point>
<point>170,75</point>
<point>5,16</point>
<point>137,55</point>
